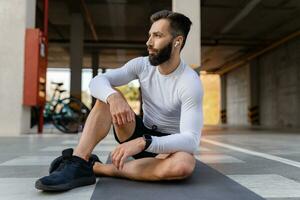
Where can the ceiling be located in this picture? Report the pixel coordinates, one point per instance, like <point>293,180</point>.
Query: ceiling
<point>230,29</point>
<point>120,25</point>
<point>233,29</point>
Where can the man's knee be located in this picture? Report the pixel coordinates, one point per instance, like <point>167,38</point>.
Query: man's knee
<point>180,166</point>
<point>99,110</point>
<point>183,170</point>
<point>100,105</point>
<point>100,113</point>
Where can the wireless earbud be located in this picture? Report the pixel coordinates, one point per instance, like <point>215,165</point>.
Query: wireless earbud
<point>176,43</point>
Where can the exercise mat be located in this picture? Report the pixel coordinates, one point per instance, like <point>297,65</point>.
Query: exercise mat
<point>205,184</point>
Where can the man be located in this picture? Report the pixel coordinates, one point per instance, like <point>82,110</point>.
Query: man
<point>163,142</point>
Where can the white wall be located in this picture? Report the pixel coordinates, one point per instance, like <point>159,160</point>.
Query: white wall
<point>237,96</point>
<point>280,86</point>
<point>15,16</point>
<point>191,53</point>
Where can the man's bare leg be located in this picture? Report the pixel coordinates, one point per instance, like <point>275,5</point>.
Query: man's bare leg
<point>96,128</point>
<point>176,166</point>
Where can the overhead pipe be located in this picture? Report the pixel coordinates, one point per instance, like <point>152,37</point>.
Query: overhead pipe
<point>241,15</point>
<point>89,20</point>
<point>229,66</point>
<point>104,44</point>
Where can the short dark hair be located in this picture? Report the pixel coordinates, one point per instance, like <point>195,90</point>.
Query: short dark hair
<point>179,23</point>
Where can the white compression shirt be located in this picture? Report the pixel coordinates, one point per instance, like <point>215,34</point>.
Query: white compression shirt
<point>173,102</point>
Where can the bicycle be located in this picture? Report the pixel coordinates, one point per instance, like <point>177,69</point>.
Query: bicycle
<point>68,114</point>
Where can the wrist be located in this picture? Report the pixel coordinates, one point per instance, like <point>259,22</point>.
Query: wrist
<point>111,97</point>
<point>142,143</point>
<point>148,141</point>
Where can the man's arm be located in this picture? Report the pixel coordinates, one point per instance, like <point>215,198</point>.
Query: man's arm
<point>101,86</point>
<point>191,122</point>
<point>120,110</point>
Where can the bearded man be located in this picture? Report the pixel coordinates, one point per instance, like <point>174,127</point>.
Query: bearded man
<point>164,140</point>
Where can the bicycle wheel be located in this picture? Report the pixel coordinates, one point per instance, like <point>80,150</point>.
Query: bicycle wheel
<point>69,115</point>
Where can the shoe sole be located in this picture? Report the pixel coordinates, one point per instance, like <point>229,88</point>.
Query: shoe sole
<point>67,186</point>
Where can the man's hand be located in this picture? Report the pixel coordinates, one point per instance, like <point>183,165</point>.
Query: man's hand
<point>123,151</point>
<point>120,111</point>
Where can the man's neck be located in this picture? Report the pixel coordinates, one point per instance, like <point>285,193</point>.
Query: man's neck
<point>169,66</point>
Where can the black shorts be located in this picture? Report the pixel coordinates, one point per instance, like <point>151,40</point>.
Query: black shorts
<point>140,130</point>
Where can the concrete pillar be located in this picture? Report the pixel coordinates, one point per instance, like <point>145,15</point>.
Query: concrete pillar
<point>223,114</point>
<point>76,53</point>
<point>253,106</point>
<point>237,101</point>
<point>95,67</point>
<point>15,16</point>
<point>95,63</point>
<point>191,52</point>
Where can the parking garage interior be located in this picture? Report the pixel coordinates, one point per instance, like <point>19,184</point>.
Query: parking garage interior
<point>246,53</point>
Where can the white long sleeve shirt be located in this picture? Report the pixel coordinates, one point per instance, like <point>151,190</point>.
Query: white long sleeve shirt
<point>173,102</point>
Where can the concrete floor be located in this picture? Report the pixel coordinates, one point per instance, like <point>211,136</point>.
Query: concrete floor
<point>265,162</point>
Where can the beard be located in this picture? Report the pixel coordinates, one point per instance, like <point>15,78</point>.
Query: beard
<point>162,55</point>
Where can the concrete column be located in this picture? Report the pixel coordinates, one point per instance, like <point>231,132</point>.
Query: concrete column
<point>253,108</point>
<point>95,63</point>
<point>15,16</point>
<point>191,53</point>
<point>223,113</point>
<point>95,67</point>
<point>237,84</point>
<point>76,53</point>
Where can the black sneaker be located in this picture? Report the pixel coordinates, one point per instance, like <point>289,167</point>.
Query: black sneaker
<point>58,163</point>
<point>76,172</point>
<point>94,158</point>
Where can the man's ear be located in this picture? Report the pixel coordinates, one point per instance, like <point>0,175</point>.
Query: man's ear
<point>178,41</point>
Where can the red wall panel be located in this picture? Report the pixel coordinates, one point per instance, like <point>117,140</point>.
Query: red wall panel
<point>35,69</point>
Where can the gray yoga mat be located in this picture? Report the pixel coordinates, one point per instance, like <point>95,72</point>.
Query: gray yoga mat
<point>205,184</point>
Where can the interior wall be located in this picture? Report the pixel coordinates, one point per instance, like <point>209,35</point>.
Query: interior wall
<point>280,86</point>
<point>279,90</point>
<point>15,16</point>
<point>237,96</point>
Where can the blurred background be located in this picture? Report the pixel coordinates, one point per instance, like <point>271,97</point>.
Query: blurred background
<point>245,51</point>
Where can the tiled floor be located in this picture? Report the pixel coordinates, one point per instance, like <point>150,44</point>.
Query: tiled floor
<point>265,162</point>
<point>269,185</point>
